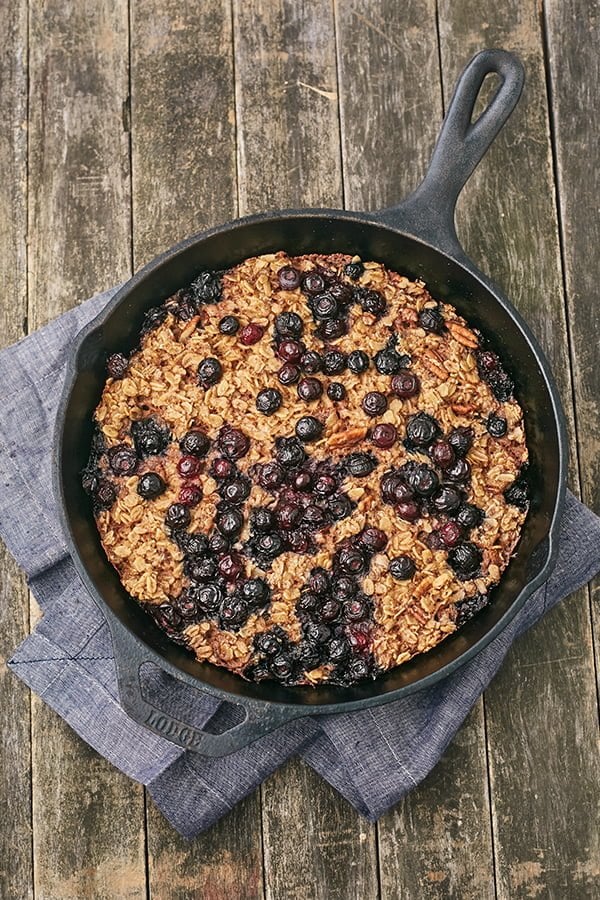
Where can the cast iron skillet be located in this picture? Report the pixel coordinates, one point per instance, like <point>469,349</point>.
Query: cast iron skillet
<point>417,238</point>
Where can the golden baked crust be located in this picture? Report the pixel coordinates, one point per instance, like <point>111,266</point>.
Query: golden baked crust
<point>161,383</point>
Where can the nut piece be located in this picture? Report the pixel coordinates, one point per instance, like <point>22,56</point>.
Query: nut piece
<point>346,438</point>
<point>433,364</point>
<point>463,335</point>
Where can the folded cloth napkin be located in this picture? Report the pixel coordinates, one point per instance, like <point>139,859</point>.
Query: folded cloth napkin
<point>372,757</point>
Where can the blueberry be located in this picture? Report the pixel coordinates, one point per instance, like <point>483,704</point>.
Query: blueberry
<point>334,362</point>
<point>288,374</point>
<point>330,611</point>
<point>255,591</point>
<point>313,283</point>
<point>149,438</point>
<point>229,325</point>
<point>210,597</point>
<point>372,302</point>
<point>459,471</point>
<point>442,454</point>
<point>405,384</point>
<point>268,401</point>
<point>431,319</point>
<point>117,365</point>
<point>232,442</point>
<point>309,429</point>
<point>384,436</point>
<point>421,430</point>
<point>314,517</point>
<point>233,613</point>
<point>354,270</point>
<point>351,561</point>
<point>236,490</point>
<point>317,632</point>
<point>192,543</point>
<point>231,566</point>
<point>423,480</point>
<point>230,522</point>
<point>123,460</point>
<point>308,655</point>
<point>324,307</point>
<point>210,372</point>
<point>318,580</point>
<point>199,569</point>
<point>496,425</point>
<point>374,403</point>
<point>150,485</point>
<point>282,666</point>
<point>153,318</point>
<point>336,391</point>
<point>190,494</point>
<point>288,278</point>
<point>402,568</point>
<point>290,350</point>
<point>339,507</point>
<point>324,485</point>
<point>289,325</point>
<point>339,650</point>
<point>344,587</point>
<point>470,607</point>
<point>450,534</point>
<point>206,288</point>
<point>461,440</point>
<point>465,559</point>
<point>374,540</point>
<point>90,479</point>
<point>388,362</point>
<point>408,510</point>
<point>195,443</point>
<point>178,516</point>
<point>309,389</point>
<point>105,494</point>
<point>218,543</point>
<point>288,515</point>
<point>358,362</point>
<point>311,362</point>
<point>469,516</point>
<point>447,499</point>
<point>251,334</point>
<point>332,329</point>
<point>270,643</point>
<point>360,464</point>
<point>290,452</point>
<point>189,466</point>
<point>262,519</point>
<point>501,384</point>
<point>518,494</point>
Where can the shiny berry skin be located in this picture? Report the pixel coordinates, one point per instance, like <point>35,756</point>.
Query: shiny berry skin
<point>290,351</point>
<point>311,362</point>
<point>324,485</point>
<point>236,491</point>
<point>105,495</point>
<point>434,541</point>
<point>200,569</point>
<point>262,519</point>
<point>229,325</point>
<point>313,283</point>
<point>290,452</point>
<point>334,362</point>
<point>288,516</point>
<point>89,480</point>
<point>233,613</point>
<point>289,325</point>
<point>358,362</point>
<point>372,302</point>
<point>393,489</point>
<point>373,539</point>
<point>487,361</point>
<point>194,443</point>
<point>339,507</point>
<point>330,611</point>
<point>230,522</point>
<point>221,469</point>
<point>442,454</point>
<point>190,495</point>
<point>255,591</point>
<point>149,438</point>
<point>374,403</point>
<point>388,362</point>
<point>465,559</point>
<point>352,561</point>
<point>344,587</point>
<point>384,436</point>
<point>268,643</point>
<point>405,384</point>
<point>314,517</point>
<point>501,384</point>
<point>268,401</point>
<point>451,533</point>
<point>282,666</point>
<point>150,485</point>
<point>192,544</point>
<point>459,471</point>
<point>288,278</point>
<point>117,365</point>
<point>207,287</point>
<point>517,494</point>
<point>178,516</point>
<point>408,510</point>
<point>496,426</point>
<point>298,541</point>
<point>325,306</point>
<point>309,389</point>
<point>354,270</point>
<point>288,374</point>
<point>218,543</point>
<point>210,372</point>
<point>303,481</point>
<point>270,476</point>
<point>342,292</point>
<point>122,460</point>
<point>251,334</point>
<point>356,610</point>
<point>421,430</point>
<point>469,516</point>
<point>231,566</point>
<point>336,391</point>
<point>431,319</point>
<point>360,464</point>
<point>447,499</point>
<point>402,568</point>
<point>309,429</point>
<point>189,466</point>
<point>424,481</point>
<point>461,440</point>
<point>339,651</point>
<point>232,442</point>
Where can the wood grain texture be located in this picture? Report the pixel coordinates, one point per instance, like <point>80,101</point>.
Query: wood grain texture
<point>541,741</point>
<point>437,842</point>
<point>88,819</point>
<point>184,178</point>
<point>287,105</point>
<point>573,37</point>
<point>15,742</point>
<point>182,108</point>
<point>316,846</point>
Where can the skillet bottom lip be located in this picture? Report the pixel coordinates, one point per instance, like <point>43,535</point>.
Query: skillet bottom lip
<point>420,683</point>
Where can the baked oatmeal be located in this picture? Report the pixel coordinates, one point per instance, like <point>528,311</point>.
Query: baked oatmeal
<point>309,470</point>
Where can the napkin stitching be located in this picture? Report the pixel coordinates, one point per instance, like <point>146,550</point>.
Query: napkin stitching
<point>391,749</point>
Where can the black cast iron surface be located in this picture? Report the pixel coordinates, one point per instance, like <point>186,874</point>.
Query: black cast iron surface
<point>417,238</point>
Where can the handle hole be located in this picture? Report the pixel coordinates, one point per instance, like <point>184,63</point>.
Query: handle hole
<point>490,86</point>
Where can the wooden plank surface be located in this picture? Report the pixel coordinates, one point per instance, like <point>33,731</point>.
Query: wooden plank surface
<point>16,859</point>
<point>390,121</point>
<point>88,834</point>
<point>573,38</point>
<point>541,741</point>
<point>184,179</point>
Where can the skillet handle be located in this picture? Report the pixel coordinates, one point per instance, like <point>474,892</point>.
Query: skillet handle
<point>428,213</point>
<point>260,719</point>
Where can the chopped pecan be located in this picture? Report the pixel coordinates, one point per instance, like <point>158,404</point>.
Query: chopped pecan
<point>346,438</point>
<point>463,335</point>
<point>406,316</point>
<point>433,364</point>
<point>189,328</point>
<point>462,409</point>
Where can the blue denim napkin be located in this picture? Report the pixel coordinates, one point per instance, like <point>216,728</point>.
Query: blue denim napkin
<point>372,757</point>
